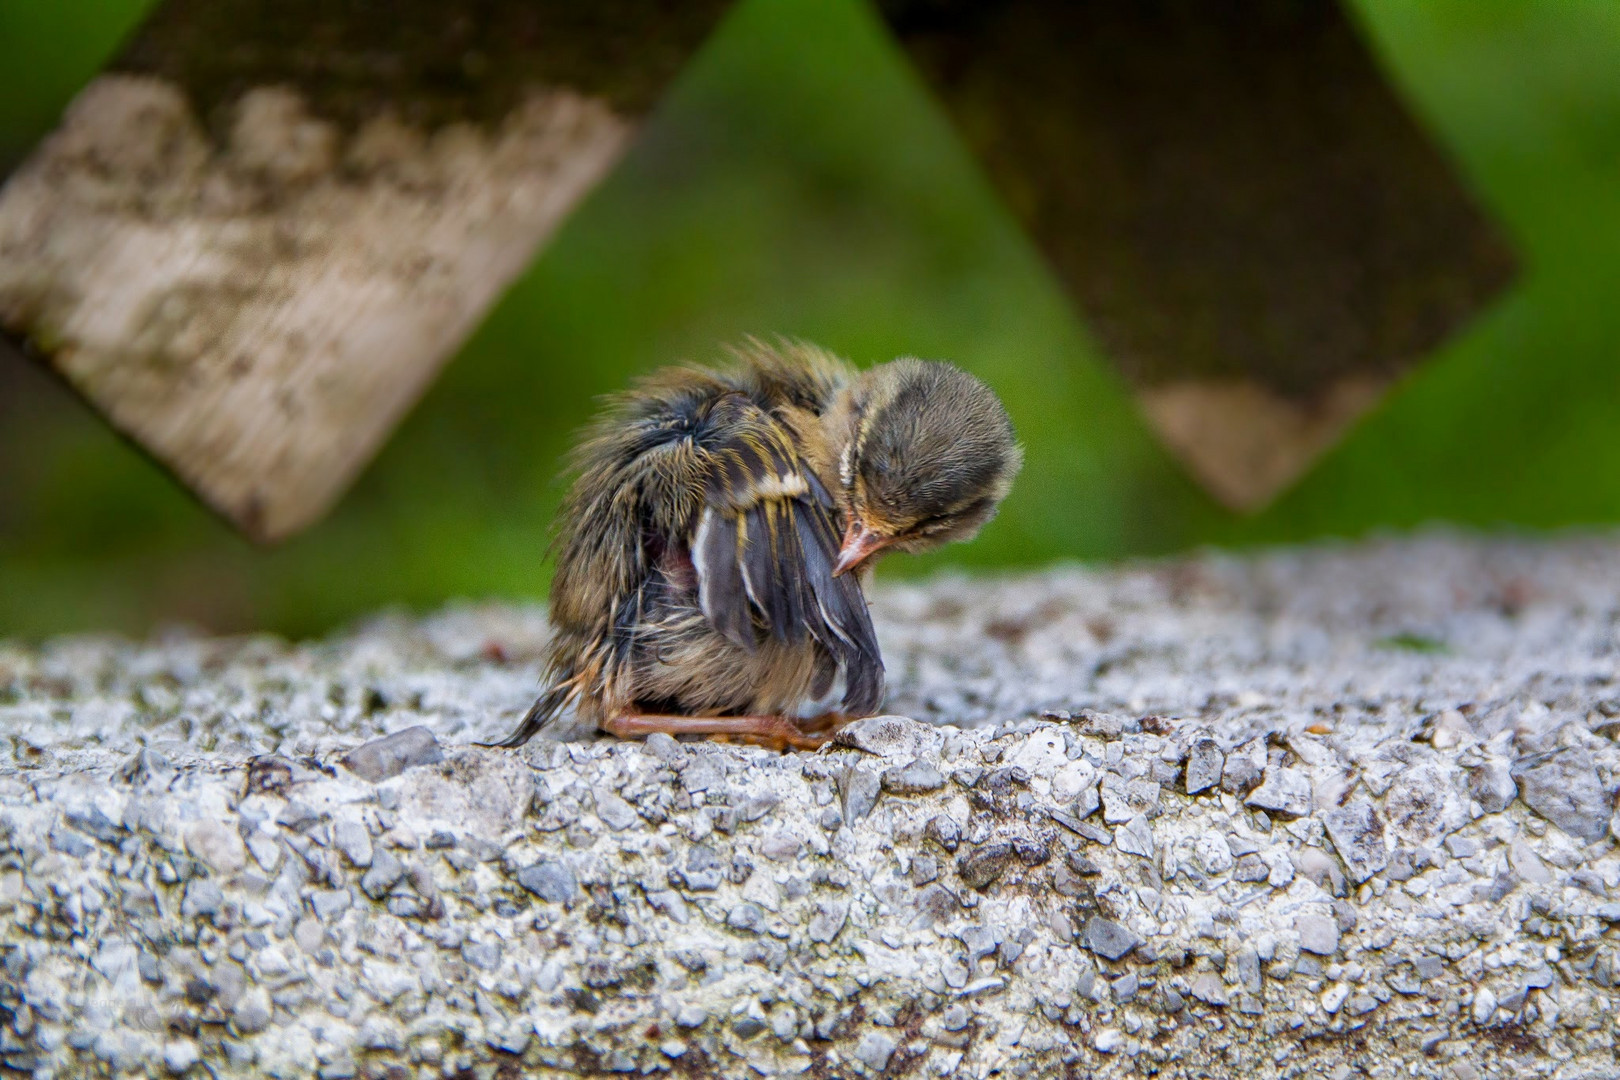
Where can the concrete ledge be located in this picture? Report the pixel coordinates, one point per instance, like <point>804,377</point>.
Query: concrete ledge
<point>1335,811</point>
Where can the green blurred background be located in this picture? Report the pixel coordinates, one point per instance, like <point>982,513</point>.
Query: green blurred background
<point>798,180</point>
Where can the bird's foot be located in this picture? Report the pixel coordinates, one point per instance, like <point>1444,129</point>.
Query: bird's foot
<point>776,732</point>
<point>828,722</point>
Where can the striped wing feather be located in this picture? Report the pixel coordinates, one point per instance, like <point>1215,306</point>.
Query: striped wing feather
<point>764,547</point>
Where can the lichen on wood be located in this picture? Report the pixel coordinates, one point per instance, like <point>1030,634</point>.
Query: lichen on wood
<point>256,238</point>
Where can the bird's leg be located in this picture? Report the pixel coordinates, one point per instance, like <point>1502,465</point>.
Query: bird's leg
<point>827,721</point>
<point>777,732</point>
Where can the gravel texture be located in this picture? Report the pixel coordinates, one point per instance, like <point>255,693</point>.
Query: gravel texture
<point>240,857</point>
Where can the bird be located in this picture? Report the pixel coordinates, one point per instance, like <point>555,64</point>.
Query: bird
<point>711,551</point>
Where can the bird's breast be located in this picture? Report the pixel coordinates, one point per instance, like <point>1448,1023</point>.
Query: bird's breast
<point>674,564</point>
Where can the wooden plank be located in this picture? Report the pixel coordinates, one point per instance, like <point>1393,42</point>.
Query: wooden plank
<point>1251,222</point>
<point>254,240</point>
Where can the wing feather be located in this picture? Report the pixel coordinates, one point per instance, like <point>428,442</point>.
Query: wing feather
<point>764,548</point>
<point>721,586</point>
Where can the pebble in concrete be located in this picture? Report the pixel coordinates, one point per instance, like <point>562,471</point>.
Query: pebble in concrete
<point>1358,836</point>
<point>915,778</point>
<point>550,880</point>
<point>982,866</point>
<point>614,811</point>
<point>875,1049</point>
<point>1204,765</point>
<point>1564,788</point>
<point>381,759</point>
<point>353,839</point>
<point>1491,784</point>
<point>1244,766</point>
<point>1107,938</point>
<point>1317,934</point>
<point>1283,791</point>
<point>384,872</point>
<point>859,788</point>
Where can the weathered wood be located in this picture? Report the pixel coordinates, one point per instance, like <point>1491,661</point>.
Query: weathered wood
<point>255,240</point>
<point>1251,222</point>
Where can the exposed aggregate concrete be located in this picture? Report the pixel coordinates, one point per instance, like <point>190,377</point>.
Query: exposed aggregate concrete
<point>240,857</point>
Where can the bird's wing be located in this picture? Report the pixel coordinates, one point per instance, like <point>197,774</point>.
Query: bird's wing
<point>764,545</point>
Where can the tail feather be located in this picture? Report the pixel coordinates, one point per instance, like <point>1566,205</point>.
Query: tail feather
<point>546,707</point>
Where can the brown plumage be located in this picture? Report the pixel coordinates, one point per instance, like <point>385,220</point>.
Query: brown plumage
<point>701,587</point>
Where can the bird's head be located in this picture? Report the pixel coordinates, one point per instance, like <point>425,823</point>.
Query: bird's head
<point>927,453</point>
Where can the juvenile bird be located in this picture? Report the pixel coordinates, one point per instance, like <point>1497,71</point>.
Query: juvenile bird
<point>701,584</point>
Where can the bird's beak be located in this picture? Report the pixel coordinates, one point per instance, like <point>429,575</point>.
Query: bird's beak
<point>860,544</point>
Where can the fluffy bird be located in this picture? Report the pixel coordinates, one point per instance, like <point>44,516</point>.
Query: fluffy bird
<point>711,549</point>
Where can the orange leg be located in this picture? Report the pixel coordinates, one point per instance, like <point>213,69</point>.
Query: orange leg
<point>776,732</point>
<point>827,721</point>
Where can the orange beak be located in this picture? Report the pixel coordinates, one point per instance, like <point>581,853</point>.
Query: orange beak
<point>860,544</point>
